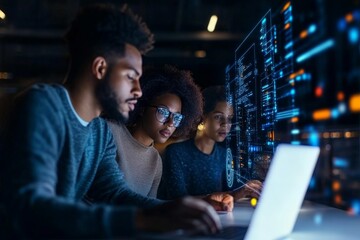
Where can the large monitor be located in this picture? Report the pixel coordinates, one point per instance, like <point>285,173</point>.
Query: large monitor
<point>295,79</point>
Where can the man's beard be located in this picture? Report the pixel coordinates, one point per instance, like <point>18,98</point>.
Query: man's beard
<point>107,99</point>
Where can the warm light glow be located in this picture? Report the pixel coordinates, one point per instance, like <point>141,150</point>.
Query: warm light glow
<point>287,26</point>
<point>303,34</point>
<point>335,135</point>
<point>270,135</point>
<point>354,103</point>
<point>2,15</point>
<point>349,17</point>
<point>347,134</point>
<point>286,6</point>
<point>253,202</point>
<point>293,75</point>
<point>318,91</point>
<point>336,186</point>
<point>4,75</point>
<point>340,96</point>
<point>322,114</point>
<point>212,23</point>
<point>200,127</point>
<point>294,119</point>
<point>200,53</point>
<point>338,199</point>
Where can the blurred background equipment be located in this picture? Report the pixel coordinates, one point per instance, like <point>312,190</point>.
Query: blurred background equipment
<point>295,78</point>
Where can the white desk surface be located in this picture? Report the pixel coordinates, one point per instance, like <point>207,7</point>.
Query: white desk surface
<point>315,222</point>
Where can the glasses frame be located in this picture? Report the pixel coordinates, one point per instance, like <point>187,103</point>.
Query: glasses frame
<point>169,114</point>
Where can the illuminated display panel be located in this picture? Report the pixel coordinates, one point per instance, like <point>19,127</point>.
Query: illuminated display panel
<point>296,79</point>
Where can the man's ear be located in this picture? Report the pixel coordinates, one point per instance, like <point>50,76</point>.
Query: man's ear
<point>99,67</point>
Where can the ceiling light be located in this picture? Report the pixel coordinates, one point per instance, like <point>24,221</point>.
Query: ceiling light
<point>212,23</point>
<point>2,14</point>
<point>200,54</point>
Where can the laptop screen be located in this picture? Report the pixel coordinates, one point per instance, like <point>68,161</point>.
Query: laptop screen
<point>283,192</point>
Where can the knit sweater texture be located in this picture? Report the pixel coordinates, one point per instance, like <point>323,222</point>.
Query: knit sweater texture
<point>142,165</point>
<point>52,162</point>
<point>188,171</point>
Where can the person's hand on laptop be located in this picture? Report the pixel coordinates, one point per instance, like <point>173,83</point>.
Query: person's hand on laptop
<point>189,214</point>
<point>220,201</point>
<point>251,189</point>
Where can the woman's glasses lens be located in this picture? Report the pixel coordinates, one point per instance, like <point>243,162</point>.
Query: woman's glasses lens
<point>163,115</point>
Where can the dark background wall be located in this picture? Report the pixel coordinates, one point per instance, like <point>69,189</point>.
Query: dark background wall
<point>32,48</point>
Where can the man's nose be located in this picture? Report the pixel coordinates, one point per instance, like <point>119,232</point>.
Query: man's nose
<point>170,121</point>
<point>137,89</point>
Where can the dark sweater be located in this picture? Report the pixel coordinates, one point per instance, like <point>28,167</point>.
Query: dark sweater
<point>188,171</point>
<point>52,163</point>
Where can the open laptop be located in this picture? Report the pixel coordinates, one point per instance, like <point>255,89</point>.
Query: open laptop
<point>282,196</point>
<point>283,193</point>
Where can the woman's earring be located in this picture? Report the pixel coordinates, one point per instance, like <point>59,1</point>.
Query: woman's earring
<point>201,126</point>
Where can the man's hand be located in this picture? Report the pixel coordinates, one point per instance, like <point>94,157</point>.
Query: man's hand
<point>191,214</point>
<point>220,201</point>
<point>251,189</point>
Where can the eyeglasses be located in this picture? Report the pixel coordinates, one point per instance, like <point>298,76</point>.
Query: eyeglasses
<point>163,115</point>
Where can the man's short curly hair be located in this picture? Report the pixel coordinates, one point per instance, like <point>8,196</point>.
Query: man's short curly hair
<point>169,79</point>
<point>103,30</point>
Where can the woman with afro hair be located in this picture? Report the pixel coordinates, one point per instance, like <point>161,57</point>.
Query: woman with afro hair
<point>171,105</point>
